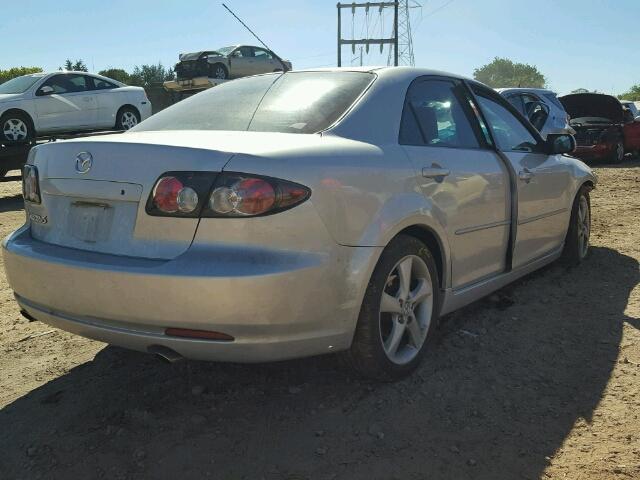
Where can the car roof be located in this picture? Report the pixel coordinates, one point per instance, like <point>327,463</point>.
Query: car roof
<point>391,72</point>
<point>524,90</point>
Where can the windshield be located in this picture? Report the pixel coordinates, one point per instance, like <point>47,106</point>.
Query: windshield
<point>294,102</point>
<point>19,84</point>
<point>225,50</point>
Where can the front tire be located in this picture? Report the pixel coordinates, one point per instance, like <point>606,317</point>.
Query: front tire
<point>127,118</point>
<point>617,156</point>
<point>218,71</point>
<point>576,246</point>
<point>399,312</point>
<point>16,128</point>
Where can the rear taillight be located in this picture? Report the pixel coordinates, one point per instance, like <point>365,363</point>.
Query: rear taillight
<point>195,194</point>
<point>30,184</point>
<point>238,195</point>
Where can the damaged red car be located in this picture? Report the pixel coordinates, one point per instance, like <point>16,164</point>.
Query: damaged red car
<point>605,130</point>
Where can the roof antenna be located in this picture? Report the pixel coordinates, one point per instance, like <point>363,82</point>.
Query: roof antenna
<point>285,68</point>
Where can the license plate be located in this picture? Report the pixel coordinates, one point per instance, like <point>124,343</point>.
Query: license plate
<point>90,222</point>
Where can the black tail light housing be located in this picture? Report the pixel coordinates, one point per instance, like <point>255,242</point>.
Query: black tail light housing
<point>222,195</point>
<point>31,184</point>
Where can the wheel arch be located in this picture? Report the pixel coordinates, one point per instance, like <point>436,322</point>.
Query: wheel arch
<point>434,243</point>
<point>22,112</point>
<point>129,106</point>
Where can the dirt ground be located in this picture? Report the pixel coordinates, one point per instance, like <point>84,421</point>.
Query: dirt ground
<point>539,381</point>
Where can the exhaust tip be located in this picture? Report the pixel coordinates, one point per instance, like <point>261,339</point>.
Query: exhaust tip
<point>165,353</point>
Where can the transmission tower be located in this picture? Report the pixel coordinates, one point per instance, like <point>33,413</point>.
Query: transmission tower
<point>372,31</point>
<point>405,39</point>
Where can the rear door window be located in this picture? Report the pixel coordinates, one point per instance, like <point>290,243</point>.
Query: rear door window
<point>436,113</point>
<point>100,84</point>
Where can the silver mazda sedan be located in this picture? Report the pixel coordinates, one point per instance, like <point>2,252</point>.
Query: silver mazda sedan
<point>296,214</point>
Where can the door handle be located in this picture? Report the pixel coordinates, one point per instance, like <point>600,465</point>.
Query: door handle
<point>525,175</point>
<point>435,171</point>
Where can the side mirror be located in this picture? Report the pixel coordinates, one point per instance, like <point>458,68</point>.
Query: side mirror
<point>46,90</point>
<point>558,143</point>
<point>637,119</point>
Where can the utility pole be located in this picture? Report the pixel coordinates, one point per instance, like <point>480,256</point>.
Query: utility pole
<point>366,41</point>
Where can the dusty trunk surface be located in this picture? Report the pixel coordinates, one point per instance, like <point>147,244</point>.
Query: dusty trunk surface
<point>541,380</point>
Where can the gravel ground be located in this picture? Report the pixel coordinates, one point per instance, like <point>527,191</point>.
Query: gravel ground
<point>541,380</point>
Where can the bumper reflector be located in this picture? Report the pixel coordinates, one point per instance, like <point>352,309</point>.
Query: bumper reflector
<point>200,334</point>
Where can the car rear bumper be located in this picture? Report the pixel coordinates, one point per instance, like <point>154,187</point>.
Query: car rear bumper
<point>146,110</point>
<point>276,304</point>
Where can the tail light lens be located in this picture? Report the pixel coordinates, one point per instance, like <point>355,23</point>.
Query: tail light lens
<point>195,194</point>
<point>30,184</point>
<point>237,195</point>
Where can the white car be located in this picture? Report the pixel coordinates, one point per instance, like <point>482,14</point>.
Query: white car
<point>46,103</point>
<point>541,107</point>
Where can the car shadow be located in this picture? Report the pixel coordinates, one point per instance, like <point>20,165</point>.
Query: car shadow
<point>497,395</point>
<point>12,203</point>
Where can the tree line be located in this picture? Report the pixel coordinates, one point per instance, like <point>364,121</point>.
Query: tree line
<point>501,72</point>
<point>141,76</point>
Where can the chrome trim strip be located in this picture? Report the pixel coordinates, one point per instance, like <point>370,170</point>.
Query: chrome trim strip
<point>544,215</point>
<point>486,226</point>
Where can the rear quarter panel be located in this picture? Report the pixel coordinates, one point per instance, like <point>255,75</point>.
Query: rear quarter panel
<point>364,194</point>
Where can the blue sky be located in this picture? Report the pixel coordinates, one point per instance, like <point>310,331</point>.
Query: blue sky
<point>576,43</point>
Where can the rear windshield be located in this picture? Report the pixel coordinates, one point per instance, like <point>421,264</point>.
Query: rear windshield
<point>293,102</point>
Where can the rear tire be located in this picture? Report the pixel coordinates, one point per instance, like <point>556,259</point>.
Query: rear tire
<point>576,245</point>
<point>399,312</point>
<point>127,118</point>
<point>16,128</point>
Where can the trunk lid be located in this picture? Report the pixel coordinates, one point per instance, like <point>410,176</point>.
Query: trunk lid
<point>103,209</point>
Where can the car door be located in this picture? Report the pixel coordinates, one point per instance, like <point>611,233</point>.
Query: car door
<point>242,62</point>
<point>543,181</point>
<point>631,131</point>
<point>107,99</point>
<point>67,104</point>
<point>464,181</point>
<point>264,61</point>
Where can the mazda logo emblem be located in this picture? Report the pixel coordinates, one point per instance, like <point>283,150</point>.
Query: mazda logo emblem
<point>84,161</point>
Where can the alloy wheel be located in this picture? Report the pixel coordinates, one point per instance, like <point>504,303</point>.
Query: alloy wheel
<point>15,129</point>
<point>406,308</point>
<point>584,226</point>
<point>129,120</point>
<point>219,72</point>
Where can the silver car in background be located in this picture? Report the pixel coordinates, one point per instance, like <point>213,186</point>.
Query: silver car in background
<point>541,107</point>
<point>296,214</point>
<point>230,62</point>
